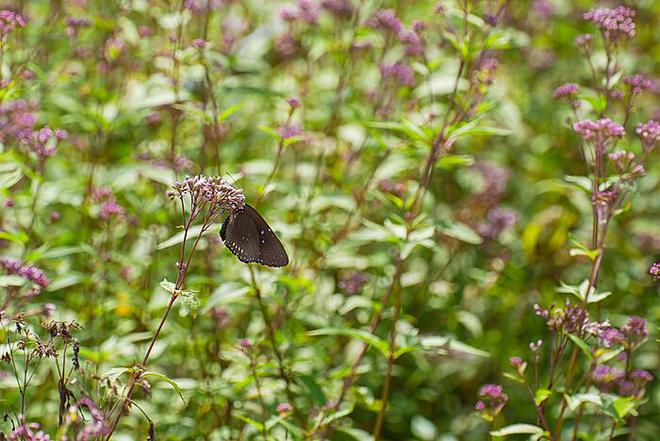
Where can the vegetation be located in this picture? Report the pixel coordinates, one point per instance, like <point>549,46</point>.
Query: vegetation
<point>465,191</point>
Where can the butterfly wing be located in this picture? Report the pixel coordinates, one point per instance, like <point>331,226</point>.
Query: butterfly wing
<point>249,237</point>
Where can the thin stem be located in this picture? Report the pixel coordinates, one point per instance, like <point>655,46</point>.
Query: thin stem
<point>273,342</point>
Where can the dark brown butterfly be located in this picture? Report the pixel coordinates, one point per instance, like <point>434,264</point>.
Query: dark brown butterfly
<point>249,237</point>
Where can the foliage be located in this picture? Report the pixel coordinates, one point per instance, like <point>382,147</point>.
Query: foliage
<point>451,181</point>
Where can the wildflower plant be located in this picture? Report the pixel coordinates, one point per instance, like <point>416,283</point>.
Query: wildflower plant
<point>406,156</point>
<point>590,384</point>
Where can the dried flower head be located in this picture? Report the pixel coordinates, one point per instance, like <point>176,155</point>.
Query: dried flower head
<point>208,191</point>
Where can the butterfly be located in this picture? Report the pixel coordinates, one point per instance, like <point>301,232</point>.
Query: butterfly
<point>248,237</point>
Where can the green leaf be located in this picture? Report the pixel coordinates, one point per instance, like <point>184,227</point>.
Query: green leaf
<point>11,280</point>
<point>584,347</point>
<point>541,395</point>
<point>459,231</point>
<point>250,421</point>
<point>166,379</point>
<point>450,162</point>
<point>337,415</point>
<point>623,406</point>
<point>315,390</point>
<point>518,429</point>
<point>17,236</point>
<point>359,334</point>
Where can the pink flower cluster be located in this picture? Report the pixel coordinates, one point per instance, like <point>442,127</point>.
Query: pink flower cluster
<point>9,20</point>
<point>649,133</point>
<point>566,90</point>
<point>599,132</point>
<point>306,11</point>
<point>109,207</point>
<point>26,271</point>
<point>399,72</point>
<point>613,23</point>
<point>638,83</point>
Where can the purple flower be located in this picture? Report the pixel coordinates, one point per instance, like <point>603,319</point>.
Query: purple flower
<point>641,375</point>
<point>492,401</point>
<point>26,271</point>
<point>638,83</point>
<point>9,202</point>
<point>308,11</point>
<point>649,133</point>
<point>604,377</point>
<point>414,44</point>
<point>654,271</point>
<point>544,8</point>
<point>568,89</point>
<point>490,20</point>
<point>385,20</point>
<point>635,327</point>
<point>583,42</point>
<point>610,337</point>
<point>293,102</point>
<point>287,131</point>
<point>97,426</point>
<point>75,24</point>
<point>491,390</point>
<point>284,408</point>
<point>245,344</point>
<point>109,207</point>
<point>515,361</point>
<point>354,283</point>
<point>287,46</point>
<point>199,43</point>
<point>613,23</point>
<point>28,432</point>
<point>599,132</point>
<point>498,220</point>
<point>9,20</point>
<point>199,7</point>
<point>399,73</point>
<point>338,8</point>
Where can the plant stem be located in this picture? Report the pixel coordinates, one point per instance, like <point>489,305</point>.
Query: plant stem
<point>278,354</point>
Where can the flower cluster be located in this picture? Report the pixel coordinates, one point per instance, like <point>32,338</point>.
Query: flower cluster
<point>97,426</point>
<point>654,271</point>
<point>199,7</point>
<point>638,83</point>
<point>208,190</point>
<point>9,20</point>
<point>498,219</point>
<point>341,9</point>
<point>26,271</point>
<point>600,133</point>
<point>306,11</point>
<point>17,119</point>
<point>109,207</point>
<point>354,283</point>
<point>492,400</point>
<point>570,318</point>
<point>613,23</point>
<point>385,20</point>
<point>287,131</point>
<point>75,24</point>
<point>43,142</point>
<point>566,90</point>
<point>649,133</point>
<point>28,432</point>
<point>398,73</point>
